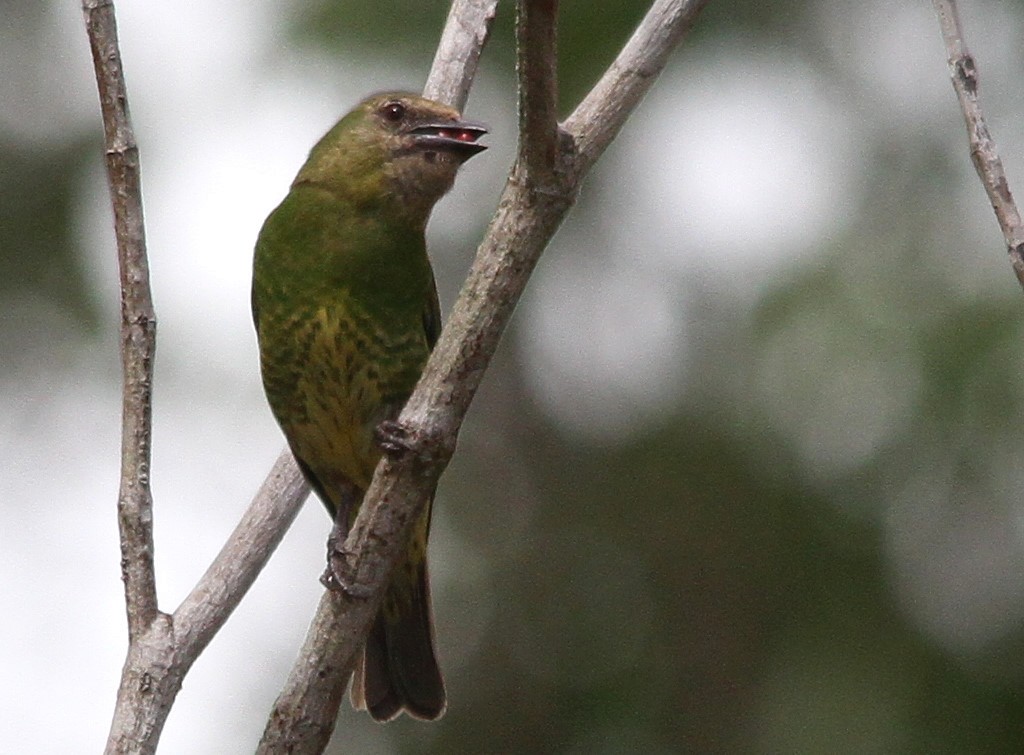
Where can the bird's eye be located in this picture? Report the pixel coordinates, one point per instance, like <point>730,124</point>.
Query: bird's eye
<point>393,111</point>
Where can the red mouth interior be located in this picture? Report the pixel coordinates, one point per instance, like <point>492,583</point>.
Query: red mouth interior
<point>459,134</point>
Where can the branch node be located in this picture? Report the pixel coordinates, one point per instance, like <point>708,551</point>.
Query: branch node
<point>965,70</point>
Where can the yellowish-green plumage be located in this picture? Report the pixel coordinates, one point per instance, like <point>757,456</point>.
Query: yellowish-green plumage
<point>346,313</point>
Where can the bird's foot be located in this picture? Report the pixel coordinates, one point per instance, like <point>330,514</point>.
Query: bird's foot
<point>338,576</point>
<point>394,438</point>
<point>332,582</point>
<point>328,580</point>
<point>424,444</point>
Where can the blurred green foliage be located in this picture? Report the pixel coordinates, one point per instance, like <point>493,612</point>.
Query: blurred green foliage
<point>699,586</point>
<point>38,253</point>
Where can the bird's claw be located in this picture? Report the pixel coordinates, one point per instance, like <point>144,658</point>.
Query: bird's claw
<point>393,438</point>
<point>328,580</point>
<point>337,577</point>
<point>347,589</point>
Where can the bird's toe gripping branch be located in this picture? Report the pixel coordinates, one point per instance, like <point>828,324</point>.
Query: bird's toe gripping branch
<point>338,576</point>
<point>424,446</point>
<point>395,439</point>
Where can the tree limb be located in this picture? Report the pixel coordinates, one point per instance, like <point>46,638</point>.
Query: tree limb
<point>256,536</point>
<point>597,119</point>
<point>984,155</point>
<point>528,214</point>
<point>161,648</point>
<point>138,321</point>
<point>458,53</point>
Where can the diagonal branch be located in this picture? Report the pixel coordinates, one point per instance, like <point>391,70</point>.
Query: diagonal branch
<point>984,155</point>
<point>203,612</point>
<point>597,119</point>
<point>138,321</point>
<point>541,188</point>
<point>458,53</point>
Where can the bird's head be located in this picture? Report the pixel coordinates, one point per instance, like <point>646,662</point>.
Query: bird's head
<point>395,144</point>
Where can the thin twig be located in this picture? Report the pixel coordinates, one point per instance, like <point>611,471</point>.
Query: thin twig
<point>527,216</point>
<point>138,321</point>
<point>138,343</point>
<point>240,561</point>
<point>986,160</point>
<point>597,119</point>
<point>458,53</point>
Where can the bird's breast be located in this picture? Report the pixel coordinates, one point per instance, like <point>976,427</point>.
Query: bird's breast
<point>349,369</point>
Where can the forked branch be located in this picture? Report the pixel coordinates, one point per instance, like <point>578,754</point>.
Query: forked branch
<point>541,188</point>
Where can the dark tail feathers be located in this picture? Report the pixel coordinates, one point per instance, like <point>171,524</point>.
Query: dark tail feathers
<point>398,670</point>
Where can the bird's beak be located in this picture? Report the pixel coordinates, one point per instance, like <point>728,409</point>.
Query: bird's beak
<point>459,137</point>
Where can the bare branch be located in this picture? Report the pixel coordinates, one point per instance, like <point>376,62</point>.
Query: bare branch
<point>159,658</point>
<point>986,160</point>
<point>597,119</point>
<point>138,321</point>
<point>246,552</point>
<point>306,711</point>
<point>150,681</point>
<point>162,648</point>
<point>540,190</point>
<point>147,628</point>
<point>458,53</point>
<point>529,212</point>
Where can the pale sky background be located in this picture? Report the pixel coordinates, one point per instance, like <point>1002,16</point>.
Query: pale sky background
<point>765,168</point>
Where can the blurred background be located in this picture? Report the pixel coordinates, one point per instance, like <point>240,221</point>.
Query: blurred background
<point>744,476</point>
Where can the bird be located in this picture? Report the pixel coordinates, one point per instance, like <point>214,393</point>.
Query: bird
<point>346,313</point>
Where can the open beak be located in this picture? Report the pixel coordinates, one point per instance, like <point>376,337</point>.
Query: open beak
<point>459,137</point>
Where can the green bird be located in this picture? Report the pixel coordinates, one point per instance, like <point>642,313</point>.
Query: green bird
<point>346,313</point>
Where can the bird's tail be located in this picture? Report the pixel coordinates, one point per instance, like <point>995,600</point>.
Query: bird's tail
<point>398,669</point>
